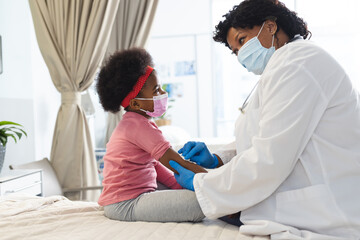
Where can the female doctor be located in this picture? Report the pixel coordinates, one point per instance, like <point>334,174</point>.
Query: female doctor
<point>294,169</point>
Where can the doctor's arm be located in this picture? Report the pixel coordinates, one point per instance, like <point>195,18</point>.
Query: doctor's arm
<point>292,106</point>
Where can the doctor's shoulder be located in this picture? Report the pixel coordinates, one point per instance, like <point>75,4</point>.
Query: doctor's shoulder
<point>300,50</point>
<point>306,54</point>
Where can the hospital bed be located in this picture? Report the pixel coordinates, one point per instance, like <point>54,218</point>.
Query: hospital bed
<point>56,217</point>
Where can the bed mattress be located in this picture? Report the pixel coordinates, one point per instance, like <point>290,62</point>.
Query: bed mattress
<point>25,217</point>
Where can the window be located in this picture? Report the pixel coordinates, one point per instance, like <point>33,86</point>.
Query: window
<point>181,47</point>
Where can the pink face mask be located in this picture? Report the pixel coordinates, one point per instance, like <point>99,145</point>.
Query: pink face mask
<point>160,105</point>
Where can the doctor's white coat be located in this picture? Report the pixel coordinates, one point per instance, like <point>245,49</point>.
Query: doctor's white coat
<point>294,169</point>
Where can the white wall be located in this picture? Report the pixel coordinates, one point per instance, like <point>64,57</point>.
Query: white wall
<point>27,95</point>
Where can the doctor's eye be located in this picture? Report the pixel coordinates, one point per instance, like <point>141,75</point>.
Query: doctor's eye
<point>241,40</point>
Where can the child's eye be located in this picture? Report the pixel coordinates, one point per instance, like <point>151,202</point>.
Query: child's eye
<point>157,90</point>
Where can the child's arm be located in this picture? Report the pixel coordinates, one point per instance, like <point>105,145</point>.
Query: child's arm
<point>170,154</point>
<point>166,177</point>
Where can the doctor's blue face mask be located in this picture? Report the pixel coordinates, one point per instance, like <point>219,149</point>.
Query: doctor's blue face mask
<point>253,56</point>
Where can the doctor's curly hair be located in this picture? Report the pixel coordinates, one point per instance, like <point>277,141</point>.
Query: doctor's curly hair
<point>250,13</point>
<point>119,75</point>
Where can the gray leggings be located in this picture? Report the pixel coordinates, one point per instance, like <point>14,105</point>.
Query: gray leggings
<point>158,206</point>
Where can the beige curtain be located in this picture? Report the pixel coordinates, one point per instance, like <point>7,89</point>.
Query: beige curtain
<point>73,36</point>
<point>131,29</point>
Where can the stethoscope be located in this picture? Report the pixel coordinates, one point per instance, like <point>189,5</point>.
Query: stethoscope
<point>296,37</point>
<point>247,98</point>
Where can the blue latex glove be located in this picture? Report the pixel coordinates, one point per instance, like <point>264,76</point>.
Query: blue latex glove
<point>199,153</point>
<point>185,177</point>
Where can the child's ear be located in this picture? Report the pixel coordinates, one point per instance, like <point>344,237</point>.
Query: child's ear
<point>134,104</point>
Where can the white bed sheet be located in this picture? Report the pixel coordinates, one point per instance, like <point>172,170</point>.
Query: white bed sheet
<point>25,217</point>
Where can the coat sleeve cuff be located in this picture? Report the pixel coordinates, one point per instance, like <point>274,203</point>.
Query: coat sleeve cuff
<point>203,201</point>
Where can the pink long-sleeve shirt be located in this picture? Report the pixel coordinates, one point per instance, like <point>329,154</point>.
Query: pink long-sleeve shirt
<point>131,165</point>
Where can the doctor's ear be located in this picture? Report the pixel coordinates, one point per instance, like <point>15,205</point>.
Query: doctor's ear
<point>271,26</point>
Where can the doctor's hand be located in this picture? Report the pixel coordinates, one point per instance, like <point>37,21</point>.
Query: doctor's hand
<point>185,177</point>
<point>198,152</point>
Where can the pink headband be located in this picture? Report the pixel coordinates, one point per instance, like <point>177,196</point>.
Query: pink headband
<point>136,89</point>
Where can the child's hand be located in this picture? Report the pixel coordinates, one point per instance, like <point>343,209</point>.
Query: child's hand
<point>200,154</point>
<point>185,177</point>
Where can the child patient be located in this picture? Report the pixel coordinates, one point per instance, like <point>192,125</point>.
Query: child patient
<point>137,152</point>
